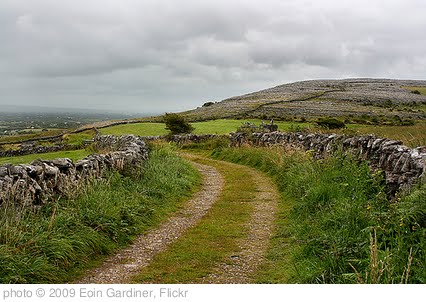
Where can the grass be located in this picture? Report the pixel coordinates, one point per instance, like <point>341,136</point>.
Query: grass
<point>55,244</point>
<point>221,126</point>
<point>26,159</point>
<point>78,138</point>
<point>22,137</point>
<point>215,237</point>
<point>422,90</point>
<point>342,228</point>
<point>411,136</point>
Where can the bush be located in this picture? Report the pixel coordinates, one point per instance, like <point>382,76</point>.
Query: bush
<point>208,104</point>
<point>176,124</point>
<point>330,123</point>
<point>416,92</point>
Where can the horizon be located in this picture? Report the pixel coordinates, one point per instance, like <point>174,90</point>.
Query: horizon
<point>142,56</point>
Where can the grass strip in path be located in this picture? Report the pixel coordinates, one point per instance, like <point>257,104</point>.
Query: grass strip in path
<point>219,241</point>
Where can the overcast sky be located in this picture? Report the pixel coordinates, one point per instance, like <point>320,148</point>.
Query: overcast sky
<point>170,55</point>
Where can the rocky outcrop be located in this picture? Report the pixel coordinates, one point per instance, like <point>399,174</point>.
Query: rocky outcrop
<point>41,181</point>
<point>403,166</point>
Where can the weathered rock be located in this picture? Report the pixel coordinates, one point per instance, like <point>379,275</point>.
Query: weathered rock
<point>38,183</point>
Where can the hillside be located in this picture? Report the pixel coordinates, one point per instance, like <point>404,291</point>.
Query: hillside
<point>311,99</point>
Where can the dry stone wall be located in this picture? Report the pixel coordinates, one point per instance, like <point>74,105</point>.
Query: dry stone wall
<point>42,180</point>
<point>403,166</point>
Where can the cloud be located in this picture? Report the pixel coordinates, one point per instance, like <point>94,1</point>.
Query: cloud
<point>169,55</point>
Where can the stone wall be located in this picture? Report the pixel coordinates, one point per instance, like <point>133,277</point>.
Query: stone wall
<point>31,148</point>
<point>403,166</point>
<point>42,180</point>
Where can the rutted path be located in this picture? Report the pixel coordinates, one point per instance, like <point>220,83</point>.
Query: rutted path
<point>239,267</point>
<point>120,267</point>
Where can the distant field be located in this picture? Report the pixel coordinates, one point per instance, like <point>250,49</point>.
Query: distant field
<point>26,159</point>
<point>141,129</point>
<point>411,135</point>
<point>22,137</point>
<point>210,127</point>
<point>422,90</point>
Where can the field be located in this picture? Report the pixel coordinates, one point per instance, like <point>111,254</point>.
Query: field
<point>222,126</point>
<point>422,90</point>
<point>26,159</point>
<point>413,136</point>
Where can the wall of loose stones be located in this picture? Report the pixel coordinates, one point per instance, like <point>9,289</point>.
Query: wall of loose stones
<point>403,166</point>
<point>43,180</point>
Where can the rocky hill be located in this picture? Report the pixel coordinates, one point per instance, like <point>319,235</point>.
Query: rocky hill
<point>311,99</point>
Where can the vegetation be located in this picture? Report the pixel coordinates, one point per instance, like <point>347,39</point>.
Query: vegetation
<point>330,123</point>
<point>177,124</point>
<point>215,237</point>
<point>78,139</point>
<point>54,244</point>
<point>26,159</point>
<point>343,228</point>
<point>417,89</point>
<point>141,129</point>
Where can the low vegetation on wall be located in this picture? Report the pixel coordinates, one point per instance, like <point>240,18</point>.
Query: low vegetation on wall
<point>403,166</point>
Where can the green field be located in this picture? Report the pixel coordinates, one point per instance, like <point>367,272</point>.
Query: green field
<point>26,159</point>
<point>221,126</point>
<point>412,136</point>
<point>422,90</point>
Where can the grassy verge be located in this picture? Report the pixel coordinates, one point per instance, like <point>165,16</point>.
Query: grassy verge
<point>26,159</point>
<point>344,229</point>
<point>215,237</point>
<point>55,244</point>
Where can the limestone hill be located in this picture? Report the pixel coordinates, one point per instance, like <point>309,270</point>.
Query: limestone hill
<point>315,98</point>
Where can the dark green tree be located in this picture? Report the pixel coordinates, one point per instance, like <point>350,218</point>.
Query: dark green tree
<point>177,124</point>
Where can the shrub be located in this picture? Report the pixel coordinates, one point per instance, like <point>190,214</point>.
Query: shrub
<point>208,104</point>
<point>177,124</point>
<point>416,92</point>
<point>330,123</point>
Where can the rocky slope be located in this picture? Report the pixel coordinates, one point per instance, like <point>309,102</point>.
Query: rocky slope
<point>310,99</point>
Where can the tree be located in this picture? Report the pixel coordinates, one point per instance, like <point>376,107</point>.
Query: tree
<point>176,124</point>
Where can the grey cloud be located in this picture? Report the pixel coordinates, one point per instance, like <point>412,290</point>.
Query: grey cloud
<point>168,54</point>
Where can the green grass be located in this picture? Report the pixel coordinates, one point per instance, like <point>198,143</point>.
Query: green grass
<point>141,129</point>
<point>55,244</point>
<point>422,90</point>
<point>337,205</point>
<point>221,126</point>
<point>22,137</point>
<point>26,159</point>
<point>215,237</point>
<point>411,136</point>
<point>78,138</point>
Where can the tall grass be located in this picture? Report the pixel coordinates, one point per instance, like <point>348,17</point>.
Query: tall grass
<point>54,243</point>
<point>343,227</point>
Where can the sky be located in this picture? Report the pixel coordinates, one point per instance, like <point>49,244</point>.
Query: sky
<point>154,56</point>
